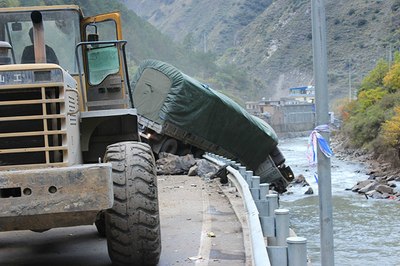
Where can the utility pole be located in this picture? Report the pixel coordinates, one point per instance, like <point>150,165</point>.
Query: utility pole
<point>204,42</point>
<point>324,164</point>
<point>349,65</point>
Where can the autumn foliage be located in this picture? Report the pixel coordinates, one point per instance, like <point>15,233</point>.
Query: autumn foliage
<point>391,129</point>
<point>373,120</point>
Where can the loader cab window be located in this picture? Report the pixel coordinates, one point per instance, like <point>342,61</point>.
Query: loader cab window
<point>105,30</point>
<point>61,33</point>
<point>103,59</point>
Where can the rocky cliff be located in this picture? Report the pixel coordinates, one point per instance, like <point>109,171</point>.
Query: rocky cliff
<point>272,40</point>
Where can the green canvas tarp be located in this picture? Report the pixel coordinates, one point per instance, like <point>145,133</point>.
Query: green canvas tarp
<point>163,94</point>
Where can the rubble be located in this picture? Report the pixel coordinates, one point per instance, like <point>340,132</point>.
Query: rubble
<point>381,183</point>
<point>169,164</point>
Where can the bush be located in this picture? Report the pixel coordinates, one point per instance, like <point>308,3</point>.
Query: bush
<point>361,22</point>
<point>365,126</point>
<point>375,77</point>
<point>351,12</point>
<point>392,79</point>
<point>391,129</point>
<point>396,5</point>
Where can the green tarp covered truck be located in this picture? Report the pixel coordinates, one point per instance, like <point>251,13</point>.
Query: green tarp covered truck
<point>178,114</point>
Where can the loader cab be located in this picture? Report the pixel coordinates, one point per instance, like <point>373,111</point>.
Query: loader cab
<point>105,69</point>
<point>61,33</point>
<point>90,49</point>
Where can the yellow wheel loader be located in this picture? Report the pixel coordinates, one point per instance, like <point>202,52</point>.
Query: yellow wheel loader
<point>70,152</point>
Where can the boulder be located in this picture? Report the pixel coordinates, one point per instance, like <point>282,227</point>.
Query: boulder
<point>170,164</point>
<point>374,194</point>
<point>391,178</point>
<point>300,180</point>
<point>205,169</point>
<point>384,189</point>
<point>361,184</point>
<point>309,191</point>
<point>369,187</point>
<point>193,170</point>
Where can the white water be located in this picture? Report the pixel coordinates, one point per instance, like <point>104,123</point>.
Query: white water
<point>366,231</point>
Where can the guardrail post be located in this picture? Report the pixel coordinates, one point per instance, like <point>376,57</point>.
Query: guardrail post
<point>267,220</point>
<point>297,251</point>
<point>278,256</point>
<point>242,171</point>
<point>262,204</point>
<point>272,206</point>
<point>274,222</point>
<point>249,175</point>
<point>255,187</point>
<point>282,226</point>
<point>264,190</point>
<point>273,203</point>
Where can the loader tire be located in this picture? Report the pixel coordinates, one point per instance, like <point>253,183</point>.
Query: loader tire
<point>133,223</point>
<point>101,224</point>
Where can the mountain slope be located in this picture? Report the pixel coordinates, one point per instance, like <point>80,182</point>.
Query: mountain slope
<point>205,25</point>
<point>274,43</point>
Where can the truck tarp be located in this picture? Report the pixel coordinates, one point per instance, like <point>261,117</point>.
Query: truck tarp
<point>163,94</point>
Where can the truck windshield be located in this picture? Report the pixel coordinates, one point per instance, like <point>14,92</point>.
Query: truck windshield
<point>61,29</point>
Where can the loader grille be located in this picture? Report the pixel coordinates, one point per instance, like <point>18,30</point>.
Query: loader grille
<point>32,127</point>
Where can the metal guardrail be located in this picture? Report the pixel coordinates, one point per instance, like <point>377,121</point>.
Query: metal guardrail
<point>266,221</point>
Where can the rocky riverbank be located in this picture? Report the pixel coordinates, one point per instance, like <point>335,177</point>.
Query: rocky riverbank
<point>383,179</point>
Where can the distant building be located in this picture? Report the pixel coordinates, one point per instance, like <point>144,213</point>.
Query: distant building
<point>297,117</point>
<point>253,108</point>
<point>303,94</point>
<point>295,113</point>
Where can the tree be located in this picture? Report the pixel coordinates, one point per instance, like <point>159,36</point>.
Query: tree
<point>368,98</point>
<point>375,78</point>
<point>188,42</point>
<point>391,130</point>
<point>392,79</point>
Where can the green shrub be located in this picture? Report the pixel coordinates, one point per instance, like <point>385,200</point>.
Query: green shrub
<point>361,22</point>
<point>351,12</point>
<point>395,6</point>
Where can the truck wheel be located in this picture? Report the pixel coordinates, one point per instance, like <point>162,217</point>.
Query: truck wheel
<point>170,146</point>
<point>133,223</point>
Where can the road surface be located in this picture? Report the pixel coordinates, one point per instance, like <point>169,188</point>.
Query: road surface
<point>198,225</point>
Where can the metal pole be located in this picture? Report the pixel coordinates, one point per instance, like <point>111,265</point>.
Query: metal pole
<point>324,163</point>
<point>349,66</point>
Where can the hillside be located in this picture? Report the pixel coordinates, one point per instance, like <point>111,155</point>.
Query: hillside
<point>273,44</point>
<point>203,25</point>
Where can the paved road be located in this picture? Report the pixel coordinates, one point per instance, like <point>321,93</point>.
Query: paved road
<point>198,227</point>
<point>192,212</point>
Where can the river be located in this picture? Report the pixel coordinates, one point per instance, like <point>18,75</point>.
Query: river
<point>366,231</point>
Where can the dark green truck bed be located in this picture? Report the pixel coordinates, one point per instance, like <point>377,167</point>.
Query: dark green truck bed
<point>174,104</point>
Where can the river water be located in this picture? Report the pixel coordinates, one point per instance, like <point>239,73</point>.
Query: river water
<point>366,231</point>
